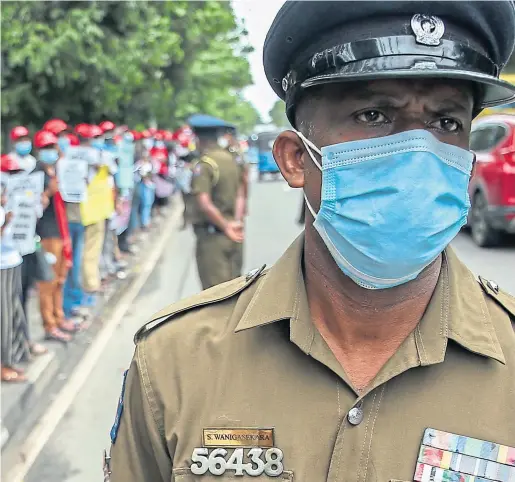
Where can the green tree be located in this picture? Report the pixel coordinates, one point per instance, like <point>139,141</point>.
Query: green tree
<point>278,115</point>
<point>128,61</point>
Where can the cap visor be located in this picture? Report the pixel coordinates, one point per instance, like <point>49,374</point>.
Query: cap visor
<point>496,91</point>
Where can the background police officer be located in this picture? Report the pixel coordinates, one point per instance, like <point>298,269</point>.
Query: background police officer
<point>217,209</point>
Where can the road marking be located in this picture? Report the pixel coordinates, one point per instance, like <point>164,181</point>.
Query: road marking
<point>44,429</point>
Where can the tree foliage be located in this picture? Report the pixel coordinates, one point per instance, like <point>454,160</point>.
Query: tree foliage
<point>278,115</point>
<point>131,61</point>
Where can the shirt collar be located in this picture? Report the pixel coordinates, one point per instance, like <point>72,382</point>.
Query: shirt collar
<point>457,309</point>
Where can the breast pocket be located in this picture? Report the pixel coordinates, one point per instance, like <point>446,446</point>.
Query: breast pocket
<point>185,475</point>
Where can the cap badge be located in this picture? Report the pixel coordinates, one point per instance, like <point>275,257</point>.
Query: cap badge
<point>428,29</point>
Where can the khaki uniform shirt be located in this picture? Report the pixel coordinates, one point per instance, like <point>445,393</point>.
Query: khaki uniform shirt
<point>217,174</point>
<point>246,354</point>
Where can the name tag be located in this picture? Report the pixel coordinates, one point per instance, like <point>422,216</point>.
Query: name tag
<point>238,437</point>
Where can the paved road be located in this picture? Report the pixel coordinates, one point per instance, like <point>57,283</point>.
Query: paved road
<point>73,453</point>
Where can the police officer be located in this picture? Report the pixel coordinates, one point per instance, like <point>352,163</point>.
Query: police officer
<point>369,352</point>
<point>230,141</point>
<point>217,207</point>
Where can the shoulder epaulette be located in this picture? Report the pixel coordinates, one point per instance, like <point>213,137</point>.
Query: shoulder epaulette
<point>213,164</point>
<point>503,299</point>
<point>213,295</point>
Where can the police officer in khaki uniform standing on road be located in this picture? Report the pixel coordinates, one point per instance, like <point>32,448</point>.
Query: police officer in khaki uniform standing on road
<point>217,206</point>
<point>230,141</point>
<point>369,352</point>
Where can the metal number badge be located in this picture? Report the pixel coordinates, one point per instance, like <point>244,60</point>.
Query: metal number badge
<point>216,462</point>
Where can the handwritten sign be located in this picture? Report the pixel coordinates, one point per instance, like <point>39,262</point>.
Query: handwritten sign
<point>86,153</point>
<point>72,174</point>
<point>30,186</point>
<point>23,224</point>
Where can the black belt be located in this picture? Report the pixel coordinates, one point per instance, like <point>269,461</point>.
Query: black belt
<point>207,227</point>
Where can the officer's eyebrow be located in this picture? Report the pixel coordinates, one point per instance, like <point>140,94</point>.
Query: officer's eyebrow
<point>390,93</point>
<point>449,106</point>
<point>459,103</point>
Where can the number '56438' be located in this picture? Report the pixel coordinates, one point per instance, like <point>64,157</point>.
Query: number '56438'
<point>217,461</point>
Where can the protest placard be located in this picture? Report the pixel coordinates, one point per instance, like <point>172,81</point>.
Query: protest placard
<point>89,154</point>
<point>72,174</point>
<point>23,224</point>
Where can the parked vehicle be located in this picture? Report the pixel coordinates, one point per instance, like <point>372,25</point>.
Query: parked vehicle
<point>266,163</point>
<point>492,187</point>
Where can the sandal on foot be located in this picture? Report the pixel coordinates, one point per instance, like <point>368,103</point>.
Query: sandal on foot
<point>67,327</point>
<point>37,349</point>
<point>55,334</point>
<point>10,375</point>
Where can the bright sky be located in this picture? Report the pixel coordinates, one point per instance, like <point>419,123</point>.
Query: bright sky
<point>258,15</point>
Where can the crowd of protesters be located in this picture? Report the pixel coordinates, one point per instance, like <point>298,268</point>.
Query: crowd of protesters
<point>73,203</point>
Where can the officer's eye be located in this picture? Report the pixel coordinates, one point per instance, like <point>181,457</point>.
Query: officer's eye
<point>447,124</point>
<point>372,116</point>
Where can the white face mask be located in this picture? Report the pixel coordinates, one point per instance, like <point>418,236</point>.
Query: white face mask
<point>2,216</point>
<point>223,142</point>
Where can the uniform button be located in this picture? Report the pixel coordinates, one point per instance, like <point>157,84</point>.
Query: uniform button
<point>355,416</point>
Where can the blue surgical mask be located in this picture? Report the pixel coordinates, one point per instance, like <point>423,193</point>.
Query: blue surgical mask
<point>159,144</point>
<point>390,205</point>
<point>63,143</point>
<point>128,137</point>
<point>23,148</point>
<point>48,156</point>
<point>148,143</point>
<point>98,144</point>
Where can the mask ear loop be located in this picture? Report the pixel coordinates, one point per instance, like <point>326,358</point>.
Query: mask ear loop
<point>308,204</point>
<point>309,145</point>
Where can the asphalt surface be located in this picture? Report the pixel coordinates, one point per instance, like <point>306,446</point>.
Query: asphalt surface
<point>74,451</point>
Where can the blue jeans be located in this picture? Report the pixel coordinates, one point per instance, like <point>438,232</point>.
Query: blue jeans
<point>73,287</point>
<point>147,196</point>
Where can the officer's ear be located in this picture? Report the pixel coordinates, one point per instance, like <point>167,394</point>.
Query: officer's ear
<point>288,153</point>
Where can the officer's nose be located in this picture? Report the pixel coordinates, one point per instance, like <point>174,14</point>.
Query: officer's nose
<point>413,115</point>
<point>408,123</point>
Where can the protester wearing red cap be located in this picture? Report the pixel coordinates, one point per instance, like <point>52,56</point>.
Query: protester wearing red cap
<point>52,228</point>
<point>60,129</point>
<point>83,131</point>
<point>148,138</point>
<point>95,232</point>
<point>73,293</point>
<point>9,164</point>
<point>19,279</point>
<point>108,130</point>
<point>14,343</point>
<point>163,186</point>
<point>22,148</point>
<point>107,126</point>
